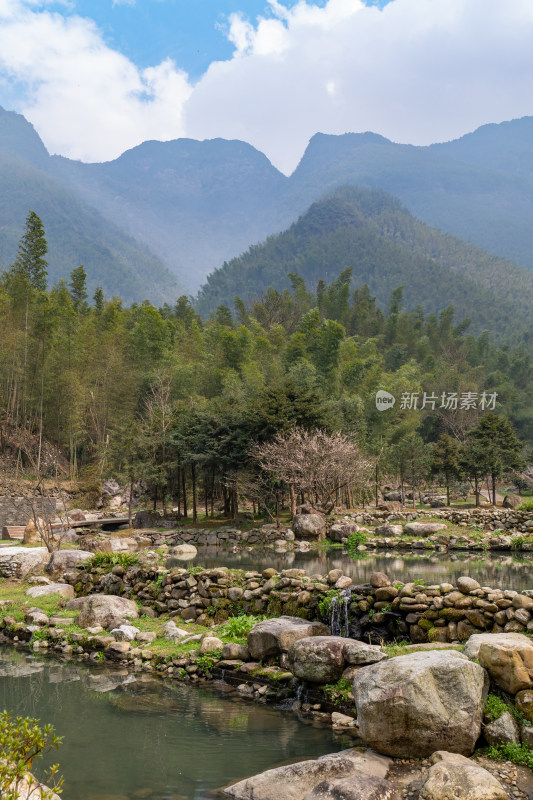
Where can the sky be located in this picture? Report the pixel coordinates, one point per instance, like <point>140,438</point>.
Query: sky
<point>97,77</point>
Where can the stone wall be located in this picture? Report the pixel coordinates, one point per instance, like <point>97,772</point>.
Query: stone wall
<point>374,612</point>
<point>17,506</point>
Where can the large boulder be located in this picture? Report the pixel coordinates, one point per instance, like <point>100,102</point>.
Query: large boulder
<point>454,777</point>
<point>512,501</point>
<point>509,663</point>
<point>341,530</point>
<point>17,562</point>
<point>274,636</point>
<point>183,552</point>
<point>64,589</point>
<point>102,609</point>
<point>32,534</point>
<point>66,560</point>
<point>309,526</point>
<point>471,648</point>
<point>355,787</point>
<point>322,659</point>
<point>412,705</point>
<point>423,528</point>
<point>389,530</point>
<point>295,781</point>
<point>318,659</point>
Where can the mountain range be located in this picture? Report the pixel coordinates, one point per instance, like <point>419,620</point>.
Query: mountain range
<point>159,219</point>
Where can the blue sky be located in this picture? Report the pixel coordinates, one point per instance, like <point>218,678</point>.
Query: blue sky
<point>188,31</point>
<point>96,77</point>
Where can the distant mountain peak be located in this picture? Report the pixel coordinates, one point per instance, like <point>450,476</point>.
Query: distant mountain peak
<point>19,138</point>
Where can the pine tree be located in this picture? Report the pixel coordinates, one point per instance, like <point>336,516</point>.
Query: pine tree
<point>78,288</point>
<point>30,261</point>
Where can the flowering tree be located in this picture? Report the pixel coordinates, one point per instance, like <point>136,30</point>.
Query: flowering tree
<point>318,465</point>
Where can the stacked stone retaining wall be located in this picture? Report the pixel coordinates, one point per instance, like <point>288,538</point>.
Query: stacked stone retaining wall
<point>379,611</point>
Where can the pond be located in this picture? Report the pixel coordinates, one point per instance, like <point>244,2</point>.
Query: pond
<point>135,737</point>
<point>490,569</point>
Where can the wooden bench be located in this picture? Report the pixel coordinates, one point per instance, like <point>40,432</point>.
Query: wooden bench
<point>13,531</point>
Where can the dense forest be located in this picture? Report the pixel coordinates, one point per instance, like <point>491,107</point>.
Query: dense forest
<point>370,231</point>
<point>90,387</point>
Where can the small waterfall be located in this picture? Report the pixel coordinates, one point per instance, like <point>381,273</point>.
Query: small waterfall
<point>339,621</point>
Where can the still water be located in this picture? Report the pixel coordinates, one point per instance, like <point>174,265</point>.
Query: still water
<point>497,570</point>
<point>139,738</point>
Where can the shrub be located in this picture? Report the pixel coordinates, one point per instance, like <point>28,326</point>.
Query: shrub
<point>495,707</point>
<point>517,753</point>
<point>111,560</point>
<point>354,540</point>
<point>239,627</point>
<point>22,741</point>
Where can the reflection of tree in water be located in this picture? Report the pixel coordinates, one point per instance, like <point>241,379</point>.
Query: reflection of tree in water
<point>490,569</point>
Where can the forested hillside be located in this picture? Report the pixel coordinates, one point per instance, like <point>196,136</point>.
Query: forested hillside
<point>197,204</point>
<point>77,233</point>
<point>373,234</point>
<point>163,395</point>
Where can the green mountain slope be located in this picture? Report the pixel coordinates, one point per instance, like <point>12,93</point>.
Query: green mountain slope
<point>475,201</point>
<point>386,246</point>
<point>76,232</point>
<point>193,203</point>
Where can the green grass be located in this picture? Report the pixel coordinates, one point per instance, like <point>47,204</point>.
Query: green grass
<point>517,753</point>
<point>110,560</point>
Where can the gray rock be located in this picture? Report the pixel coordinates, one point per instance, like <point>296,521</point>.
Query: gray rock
<point>503,730</point>
<point>210,644</point>
<point>17,562</point>
<point>309,526</point>
<point>361,653</point>
<point>101,609</point>
<point>389,530</point>
<point>453,777</point>
<point>64,589</point>
<point>125,633</point>
<point>274,636</point>
<point>236,651</point>
<point>466,584</point>
<point>412,705</point>
<point>110,488</point>
<point>512,501</point>
<point>294,781</point>
<point>318,659</point>
<point>172,631</point>
<point>66,560</point>
<point>184,552</point>
<point>356,787</point>
<point>423,528</point>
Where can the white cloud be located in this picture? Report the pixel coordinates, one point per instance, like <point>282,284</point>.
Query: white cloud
<point>86,100</point>
<point>417,71</point>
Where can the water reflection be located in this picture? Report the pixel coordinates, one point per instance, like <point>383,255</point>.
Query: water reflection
<point>134,737</point>
<point>490,569</point>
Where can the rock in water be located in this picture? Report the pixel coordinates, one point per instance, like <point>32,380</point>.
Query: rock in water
<point>453,777</point>
<point>412,705</point>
